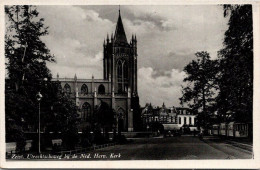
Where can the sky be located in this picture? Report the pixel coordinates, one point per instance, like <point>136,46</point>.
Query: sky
<point>167,39</point>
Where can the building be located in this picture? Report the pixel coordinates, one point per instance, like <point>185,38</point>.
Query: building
<point>118,88</point>
<point>186,117</point>
<point>177,116</point>
<point>156,114</point>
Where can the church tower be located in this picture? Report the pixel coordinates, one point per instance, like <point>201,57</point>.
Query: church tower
<point>120,61</point>
<point>120,69</point>
<point>117,89</point>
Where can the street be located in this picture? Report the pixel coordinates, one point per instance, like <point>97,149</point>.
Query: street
<point>172,148</point>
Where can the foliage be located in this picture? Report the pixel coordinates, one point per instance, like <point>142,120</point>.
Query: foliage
<point>200,89</point>
<point>86,138</point>
<point>60,115</point>
<point>98,137</point>
<point>26,53</point>
<point>15,133</point>
<point>231,74</point>
<point>155,126</point>
<point>104,117</point>
<point>235,99</point>
<point>26,57</point>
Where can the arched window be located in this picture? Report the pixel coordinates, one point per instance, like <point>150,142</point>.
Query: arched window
<point>185,120</point>
<point>101,89</point>
<point>67,89</point>
<point>179,120</point>
<point>86,112</point>
<point>125,68</point>
<point>190,121</point>
<point>119,76</point>
<point>84,89</point>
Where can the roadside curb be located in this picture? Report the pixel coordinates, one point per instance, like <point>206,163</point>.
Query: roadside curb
<point>242,146</point>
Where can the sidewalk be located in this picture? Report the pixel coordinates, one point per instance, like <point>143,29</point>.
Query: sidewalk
<point>245,141</point>
<point>242,143</point>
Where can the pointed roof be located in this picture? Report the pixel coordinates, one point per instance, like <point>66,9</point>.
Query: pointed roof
<point>120,36</point>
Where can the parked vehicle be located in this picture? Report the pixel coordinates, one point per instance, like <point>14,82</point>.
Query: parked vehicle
<point>171,130</point>
<point>223,129</point>
<point>242,130</point>
<point>215,129</point>
<point>230,129</point>
<point>233,130</point>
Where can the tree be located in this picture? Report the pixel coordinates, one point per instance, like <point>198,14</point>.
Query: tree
<point>200,89</point>
<point>236,66</point>
<point>104,117</point>
<point>26,53</point>
<point>60,114</point>
<point>26,57</point>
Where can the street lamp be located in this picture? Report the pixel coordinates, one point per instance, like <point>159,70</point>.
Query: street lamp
<point>39,97</point>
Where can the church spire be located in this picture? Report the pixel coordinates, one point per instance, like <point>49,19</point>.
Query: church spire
<point>120,36</point>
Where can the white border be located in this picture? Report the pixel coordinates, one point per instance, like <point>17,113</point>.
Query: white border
<point>244,164</point>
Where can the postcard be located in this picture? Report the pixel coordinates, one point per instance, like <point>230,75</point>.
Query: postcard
<point>130,84</point>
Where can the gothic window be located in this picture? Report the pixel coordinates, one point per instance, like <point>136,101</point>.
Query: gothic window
<point>179,120</point>
<point>86,112</point>
<point>185,120</point>
<point>84,89</point>
<point>101,89</point>
<point>125,68</point>
<point>67,89</point>
<point>119,76</point>
<point>190,120</point>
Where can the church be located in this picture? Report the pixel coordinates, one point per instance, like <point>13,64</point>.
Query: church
<point>118,88</point>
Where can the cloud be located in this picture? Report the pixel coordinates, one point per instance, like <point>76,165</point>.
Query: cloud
<point>187,30</point>
<point>76,39</point>
<point>167,39</point>
<point>158,89</point>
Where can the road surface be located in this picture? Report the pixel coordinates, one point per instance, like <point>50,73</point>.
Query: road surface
<point>171,148</point>
<point>158,148</point>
